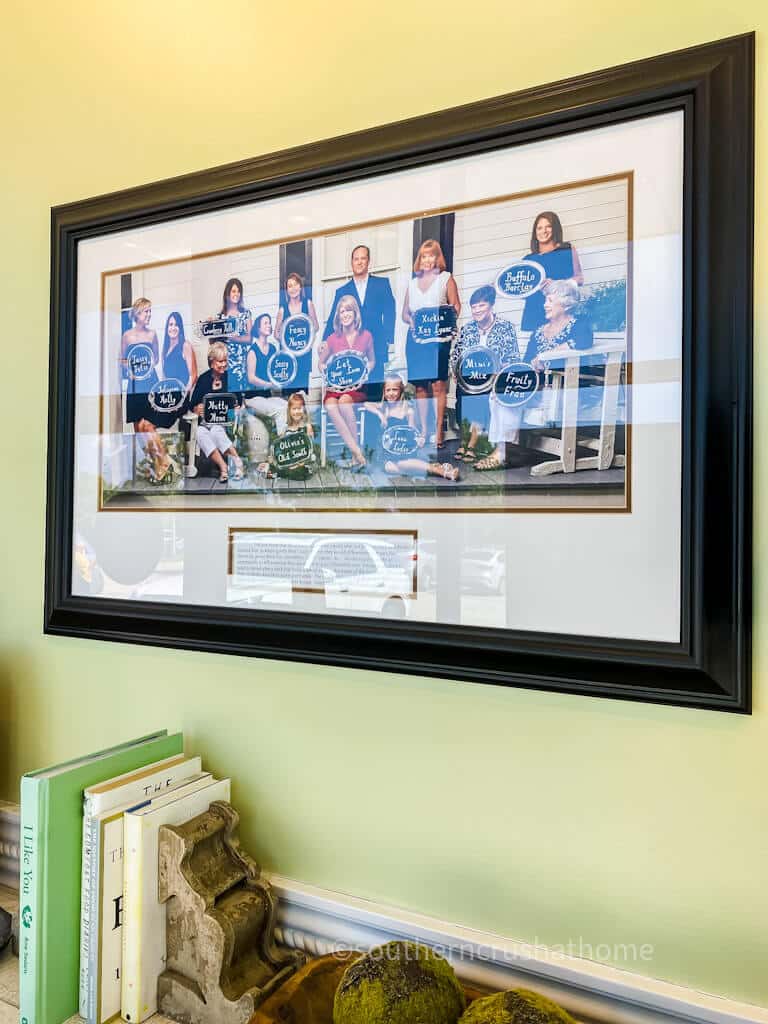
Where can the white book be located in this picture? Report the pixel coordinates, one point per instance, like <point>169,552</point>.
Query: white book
<point>144,916</point>
<point>121,791</point>
<point>106,945</point>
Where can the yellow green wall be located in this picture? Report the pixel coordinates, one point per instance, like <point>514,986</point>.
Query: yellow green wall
<point>534,815</point>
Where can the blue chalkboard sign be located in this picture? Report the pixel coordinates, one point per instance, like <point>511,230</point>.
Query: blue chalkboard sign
<point>476,369</point>
<point>221,326</point>
<point>167,395</point>
<point>346,371</point>
<point>520,279</point>
<point>400,440</point>
<point>297,334</point>
<point>141,361</point>
<point>515,384</point>
<point>219,407</point>
<point>434,323</point>
<point>282,369</point>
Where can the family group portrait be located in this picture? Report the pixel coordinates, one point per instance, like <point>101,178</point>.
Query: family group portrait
<point>462,358</point>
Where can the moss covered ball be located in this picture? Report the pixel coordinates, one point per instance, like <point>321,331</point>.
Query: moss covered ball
<point>519,1006</point>
<point>399,983</point>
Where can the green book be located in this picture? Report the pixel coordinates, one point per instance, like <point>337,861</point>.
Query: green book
<point>49,889</point>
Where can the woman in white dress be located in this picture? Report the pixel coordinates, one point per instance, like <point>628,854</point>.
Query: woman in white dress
<point>432,286</point>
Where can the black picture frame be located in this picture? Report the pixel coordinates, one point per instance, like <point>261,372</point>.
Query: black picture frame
<point>710,667</point>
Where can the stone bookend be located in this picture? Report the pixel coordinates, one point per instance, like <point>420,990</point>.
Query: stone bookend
<point>222,961</point>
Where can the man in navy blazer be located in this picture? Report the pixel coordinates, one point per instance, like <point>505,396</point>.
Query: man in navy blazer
<point>377,308</point>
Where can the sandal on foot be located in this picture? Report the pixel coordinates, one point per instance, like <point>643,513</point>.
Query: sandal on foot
<point>461,452</point>
<point>492,461</point>
<point>470,455</point>
<point>449,472</point>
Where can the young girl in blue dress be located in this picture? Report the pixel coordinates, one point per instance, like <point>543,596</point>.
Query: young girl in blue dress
<point>395,410</point>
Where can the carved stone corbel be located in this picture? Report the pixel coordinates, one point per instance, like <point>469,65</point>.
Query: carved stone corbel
<point>222,961</point>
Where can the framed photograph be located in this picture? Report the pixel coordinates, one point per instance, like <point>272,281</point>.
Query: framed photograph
<point>467,395</point>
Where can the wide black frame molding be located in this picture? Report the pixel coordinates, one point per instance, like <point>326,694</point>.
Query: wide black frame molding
<point>711,667</point>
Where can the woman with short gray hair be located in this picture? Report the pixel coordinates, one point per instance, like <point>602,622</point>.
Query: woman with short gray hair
<point>561,329</point>
<point>561,332</point>
<point>213,439</point>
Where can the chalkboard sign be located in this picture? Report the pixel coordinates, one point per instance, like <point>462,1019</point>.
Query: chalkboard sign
<point>515,384</point>
<point>297,334</point>
<point>434,323</point>
<point>219,407</point>
<point>282,369</point>
<point>520,279</point>
<point>141,361</point>
<point>346,371</point>
<point>400,441</point>
<point>292,449</point>
<point>167,395</point>
<point>476,369</point>
<point>221,326</point>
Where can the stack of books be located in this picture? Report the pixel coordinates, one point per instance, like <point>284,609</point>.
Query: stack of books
<point>92,932</point>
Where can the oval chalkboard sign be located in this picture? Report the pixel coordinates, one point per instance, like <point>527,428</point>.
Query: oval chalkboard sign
<point>476,369</point>
<point>515,384</point>
<point>298,333</point>
<point>434,323</point>
<point>520,279</point>
<point>219,407</point>
<point>167,395</point>
<point>141,361</point>
<point>282,369</point>
<point>292,449</point>
<point>346,371</point>
<point>400,440</point>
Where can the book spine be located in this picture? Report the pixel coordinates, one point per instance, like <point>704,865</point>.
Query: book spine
<point>32,856</point>
<point>130,990</point>
<point>94,922</point>
<point>85,912</point>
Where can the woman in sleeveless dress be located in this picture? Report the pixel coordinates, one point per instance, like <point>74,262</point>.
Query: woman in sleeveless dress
<point>559,260</point>
<point>294,301</point>
<point>258,394</point>
<point>348,335</point>
<point>139,356</point>
<point>140,342</point>
<point>179,363</point>
<point>238,341</point>
<point>431,286</point>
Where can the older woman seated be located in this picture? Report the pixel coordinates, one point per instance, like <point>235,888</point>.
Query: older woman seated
<point>213,439</point>
<point>549,344</point>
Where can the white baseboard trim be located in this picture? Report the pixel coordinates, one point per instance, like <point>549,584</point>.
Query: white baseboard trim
<point>319,922</point>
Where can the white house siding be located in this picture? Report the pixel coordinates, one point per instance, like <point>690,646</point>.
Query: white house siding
<point>595,221</point>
